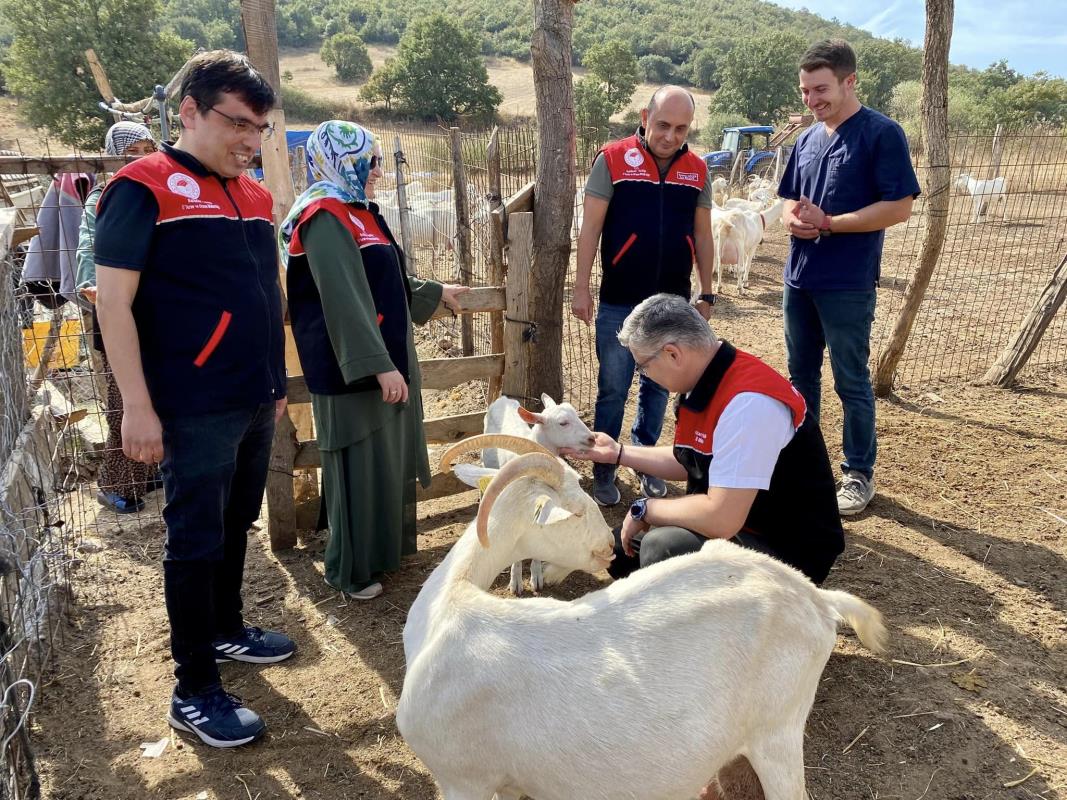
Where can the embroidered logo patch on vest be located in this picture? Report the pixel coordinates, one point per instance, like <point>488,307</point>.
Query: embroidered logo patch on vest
<point>633,157</point>
<point>183,185</point>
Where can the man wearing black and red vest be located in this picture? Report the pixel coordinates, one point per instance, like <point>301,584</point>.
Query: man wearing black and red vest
<point>755,463</point>
<point>190,311</point>
<point>647,203</point>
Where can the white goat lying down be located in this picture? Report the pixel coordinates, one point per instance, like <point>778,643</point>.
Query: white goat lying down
<point>557,426</point>
<point>685,664</point>
<point>984,194</point>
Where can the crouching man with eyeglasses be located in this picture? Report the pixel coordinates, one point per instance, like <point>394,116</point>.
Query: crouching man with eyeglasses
<point>190,311</point>
<point>755,464</point>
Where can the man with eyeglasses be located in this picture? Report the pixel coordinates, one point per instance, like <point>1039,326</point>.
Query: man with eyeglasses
<point>190,310</point>
<point>755,464</point>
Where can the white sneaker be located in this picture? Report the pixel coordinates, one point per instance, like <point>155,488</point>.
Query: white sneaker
<point>855,493</point>
<point>366,593</point>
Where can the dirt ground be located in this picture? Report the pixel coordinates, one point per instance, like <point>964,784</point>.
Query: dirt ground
<point>963,550</point>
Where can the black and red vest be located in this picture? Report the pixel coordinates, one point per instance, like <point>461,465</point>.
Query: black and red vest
<point>647,244</point>
<point>208,306</point>
<point>797,514</point>
<point>383,264</point>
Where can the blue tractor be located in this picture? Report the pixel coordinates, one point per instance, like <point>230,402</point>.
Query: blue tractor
<point>751,149</point>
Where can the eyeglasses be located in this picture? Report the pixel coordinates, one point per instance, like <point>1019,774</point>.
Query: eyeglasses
<point>642,366</point>
<point>244,126</point>
<point>374,160</point>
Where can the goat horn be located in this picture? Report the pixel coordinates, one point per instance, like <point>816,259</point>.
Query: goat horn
<point>504,441</point>
<point>543,466</point>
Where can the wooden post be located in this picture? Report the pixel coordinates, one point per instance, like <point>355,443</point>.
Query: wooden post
<point>463,236</point>
<point>935,134</point>
<point>555,175</point>
<point>102,83</point>
<point>261,38</point>
<point>1026,339</point>
<point>299,170</point>
<point>521,335</point>
<point>402,207</point>
<point>496,254</point>
<point>998,152</point>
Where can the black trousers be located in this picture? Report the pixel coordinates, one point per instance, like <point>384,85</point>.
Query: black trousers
<point>214,473</point>
<point>659,544</point>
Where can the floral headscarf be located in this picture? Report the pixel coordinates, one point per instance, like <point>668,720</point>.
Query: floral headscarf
<point>122,135</point>
<point>340,156</point>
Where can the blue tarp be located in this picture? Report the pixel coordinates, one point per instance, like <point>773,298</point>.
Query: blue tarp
<point>293,140</point>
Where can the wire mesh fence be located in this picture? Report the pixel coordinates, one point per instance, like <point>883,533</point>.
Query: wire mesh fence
<point>1002,244</point>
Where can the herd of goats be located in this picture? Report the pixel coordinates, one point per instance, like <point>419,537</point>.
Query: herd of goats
<point>643,689</point>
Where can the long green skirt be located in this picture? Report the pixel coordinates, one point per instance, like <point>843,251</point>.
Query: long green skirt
<point>370,505</point>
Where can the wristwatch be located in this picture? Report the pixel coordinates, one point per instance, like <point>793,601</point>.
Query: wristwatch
<point>824,228</point>
<point>707,298</point>
<point>638,508</point>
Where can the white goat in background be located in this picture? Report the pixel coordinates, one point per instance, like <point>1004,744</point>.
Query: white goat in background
<point>689,662</point>
<point>738,233</point>
<point>557,426</point>
<point>984,194</point>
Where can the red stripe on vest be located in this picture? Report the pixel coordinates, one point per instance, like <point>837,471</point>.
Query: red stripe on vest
<point>216,337</point>
<point>696,429</point>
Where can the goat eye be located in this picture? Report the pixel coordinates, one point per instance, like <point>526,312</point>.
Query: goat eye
<point>564,424</point>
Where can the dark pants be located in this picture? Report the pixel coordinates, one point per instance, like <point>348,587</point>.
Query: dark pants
<point>214,473</point>
<point>841,323</point>
<point>659,544</point>
<point>613,387</point>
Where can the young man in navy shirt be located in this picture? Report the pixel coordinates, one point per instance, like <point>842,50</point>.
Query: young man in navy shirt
<point>848,179</point>
<point>190,311</point>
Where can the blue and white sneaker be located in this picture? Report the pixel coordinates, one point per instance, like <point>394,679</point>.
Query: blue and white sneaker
<point>254,645</point>
<point>218,718</point>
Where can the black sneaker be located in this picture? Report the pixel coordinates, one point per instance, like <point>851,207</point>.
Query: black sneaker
<point>218,718</point>
<point>254,645</point>
<point>651,486</point>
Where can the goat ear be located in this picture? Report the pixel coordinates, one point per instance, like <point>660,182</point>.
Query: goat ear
<point>547,401</point>
<point>529,417</point>
<point>543,509</point>
<point>474,475</point>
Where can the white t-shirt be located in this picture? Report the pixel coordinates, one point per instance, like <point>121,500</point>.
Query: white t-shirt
<point>750,433</point>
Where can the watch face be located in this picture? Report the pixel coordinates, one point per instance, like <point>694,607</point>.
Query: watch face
<point>637,510</point>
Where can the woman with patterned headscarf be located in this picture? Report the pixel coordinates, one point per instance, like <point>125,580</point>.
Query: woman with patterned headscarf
<point>122,482</point>
<point>352,305</point>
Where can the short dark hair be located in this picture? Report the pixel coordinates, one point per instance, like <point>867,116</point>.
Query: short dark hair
<point>837,54</point>
<point>211,74</point>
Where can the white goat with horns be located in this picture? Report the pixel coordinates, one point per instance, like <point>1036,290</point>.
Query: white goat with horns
<point>545,698</point>
<point>557,426</point>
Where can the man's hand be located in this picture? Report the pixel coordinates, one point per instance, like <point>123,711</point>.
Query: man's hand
<point>605,451</point>
<point>582,304</point>
<point>630,528</point>
<point>279,408</point>
<point>809,213</point>
<point>89,293</point>
<point>142,435</point>
<point>394,387</point>
<point>797,225</point>
<point>703,308</point>
<point>449,295</point>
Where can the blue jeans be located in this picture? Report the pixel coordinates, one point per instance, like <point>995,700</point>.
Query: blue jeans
<point>214,473</point>
<point>841,322</point>
<point>613,387</point>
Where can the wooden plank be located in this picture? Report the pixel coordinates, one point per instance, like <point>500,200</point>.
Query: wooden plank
<point>281,506</point>
<point>496,255</point>
<point>442,484</point>
<point>23,235</point>
<point>487,298</point>
<point>442,430</point>
<point>100,76</point>
<point>444,373</point>
<point>522,200</point>
<point>464,259</point>
<point>519,336</point>
<point>50,165</point>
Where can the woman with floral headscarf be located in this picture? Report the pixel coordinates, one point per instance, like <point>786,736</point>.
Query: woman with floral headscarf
<point>122,482</point>
<point>352,305</point>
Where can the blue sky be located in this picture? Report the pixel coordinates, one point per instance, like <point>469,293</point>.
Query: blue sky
<point>1031,35</point>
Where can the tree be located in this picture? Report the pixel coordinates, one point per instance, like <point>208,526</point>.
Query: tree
<point>704,69</point>
<point>592,108</point>
<point>348,56</point>
<point>759,76</point>
<point>881,65</point>
<point>383,85</point>
<point>1040,99</point>
<point>615,66</point>
<point>47,68</point>
<point>441,72</point>
<point>657,69</point>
